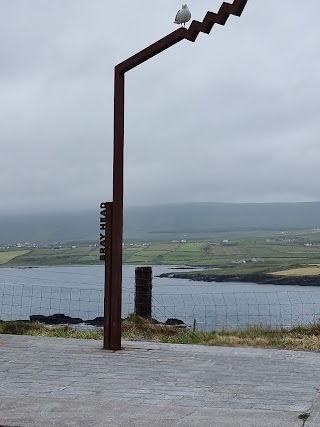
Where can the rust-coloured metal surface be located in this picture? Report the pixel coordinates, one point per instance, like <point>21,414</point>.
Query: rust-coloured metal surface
<point>113,342</point>
<point>191,34</point>
<point>105,255</point>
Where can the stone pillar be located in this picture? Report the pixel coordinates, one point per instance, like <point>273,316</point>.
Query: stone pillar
<point>143,292</point>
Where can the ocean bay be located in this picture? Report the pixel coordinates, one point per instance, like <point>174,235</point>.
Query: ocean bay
<point>78,291</point>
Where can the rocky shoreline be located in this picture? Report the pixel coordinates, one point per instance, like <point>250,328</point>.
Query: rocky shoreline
<point>264,279</point>
<point>62,319</point>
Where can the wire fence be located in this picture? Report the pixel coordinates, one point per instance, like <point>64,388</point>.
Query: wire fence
<point>238,310</point>
<point>211,311</point>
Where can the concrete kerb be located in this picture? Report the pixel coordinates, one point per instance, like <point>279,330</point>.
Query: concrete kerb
<point>31,412</point>
<point>314,419</point>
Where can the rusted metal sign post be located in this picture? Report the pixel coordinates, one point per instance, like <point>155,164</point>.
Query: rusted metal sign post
<point>105,255</point>
<point>113,264</point>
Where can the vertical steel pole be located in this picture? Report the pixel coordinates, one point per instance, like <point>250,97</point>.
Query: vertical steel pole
<point>117,214</point>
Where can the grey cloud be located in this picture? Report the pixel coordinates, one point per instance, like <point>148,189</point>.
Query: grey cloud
<point>233,117</point>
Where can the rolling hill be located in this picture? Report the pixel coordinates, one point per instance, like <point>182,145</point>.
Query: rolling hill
<point>152,221</point>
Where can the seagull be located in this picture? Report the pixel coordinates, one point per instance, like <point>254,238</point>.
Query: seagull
<point>183,16</point>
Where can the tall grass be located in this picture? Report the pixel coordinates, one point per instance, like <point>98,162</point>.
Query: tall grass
<point>305,338</point>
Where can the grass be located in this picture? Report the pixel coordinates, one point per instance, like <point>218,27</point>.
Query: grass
<point>190,247</point>
<point>306,338</point>
<point>6,256</point>
<point>299,338</point>
<point>216,250</point>
<point>281,253</point>
<point>167,247</point>
<point>303,271</point>
<point>145,255</point>
<point>62,256</point>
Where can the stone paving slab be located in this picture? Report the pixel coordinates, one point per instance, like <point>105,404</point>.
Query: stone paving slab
<point>77,383</point>
<point>31,412</point>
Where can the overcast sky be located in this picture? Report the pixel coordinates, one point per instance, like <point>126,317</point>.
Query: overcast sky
<point>233,117</point>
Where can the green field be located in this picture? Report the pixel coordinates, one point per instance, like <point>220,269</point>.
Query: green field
<point>6,256</point>
<point>61,256</point>
<point>238,254</point>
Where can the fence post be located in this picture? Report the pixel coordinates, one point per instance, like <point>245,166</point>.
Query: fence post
<point>143,292</point>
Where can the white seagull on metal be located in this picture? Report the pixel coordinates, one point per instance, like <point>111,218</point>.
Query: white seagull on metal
<point>183,16</point>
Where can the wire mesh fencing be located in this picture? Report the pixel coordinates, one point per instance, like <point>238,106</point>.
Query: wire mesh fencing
<point>210,311</point>
<point>19,302</point>
<point>238,310</point>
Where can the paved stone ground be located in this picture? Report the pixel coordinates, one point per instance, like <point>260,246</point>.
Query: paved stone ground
<point>64,382</point>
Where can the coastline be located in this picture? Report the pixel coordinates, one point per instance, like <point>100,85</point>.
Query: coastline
<point>200,276</point>
<point>259,279</point>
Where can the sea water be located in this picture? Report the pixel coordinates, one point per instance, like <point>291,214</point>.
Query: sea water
<point>78,291</point>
